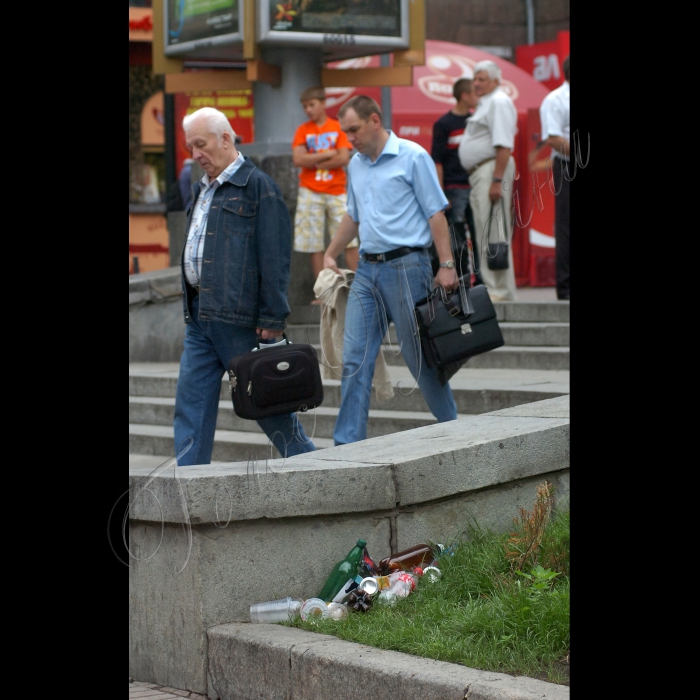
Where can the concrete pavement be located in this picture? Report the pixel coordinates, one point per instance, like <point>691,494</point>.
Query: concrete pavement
<point>149,691</point>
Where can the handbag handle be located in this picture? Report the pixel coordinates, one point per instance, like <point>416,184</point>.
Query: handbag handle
<point>265,346</point>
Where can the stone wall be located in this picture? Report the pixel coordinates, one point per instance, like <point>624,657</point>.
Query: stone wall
<point>208,541</point>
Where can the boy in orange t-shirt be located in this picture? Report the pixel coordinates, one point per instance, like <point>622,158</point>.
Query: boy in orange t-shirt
<point>321,149</point>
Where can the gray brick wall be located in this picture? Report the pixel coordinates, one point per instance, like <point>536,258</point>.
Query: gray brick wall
<point>494,22</point>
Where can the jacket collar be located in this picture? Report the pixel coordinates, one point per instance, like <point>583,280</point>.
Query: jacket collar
<point>239,178</point>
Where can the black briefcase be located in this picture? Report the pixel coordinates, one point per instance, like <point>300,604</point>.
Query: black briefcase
<point>276,378</point>
<point>455,327</point>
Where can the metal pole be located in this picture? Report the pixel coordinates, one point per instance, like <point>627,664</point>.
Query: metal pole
<point>386,95</point>
<point>530,12</point>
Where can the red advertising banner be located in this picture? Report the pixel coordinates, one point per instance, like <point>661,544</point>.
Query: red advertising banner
<point>543,61</point>
<point>237,105</point>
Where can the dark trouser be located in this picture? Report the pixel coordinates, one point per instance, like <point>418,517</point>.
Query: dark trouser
<point>459,218</point>
<point>562,173</point>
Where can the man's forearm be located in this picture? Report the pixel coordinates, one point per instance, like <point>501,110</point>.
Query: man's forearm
<point>502,156</point>
<point>441,236</point>
<point>559,144</point>
<point>308,160</point>
<point>347,230</point>
<point>334,159</point>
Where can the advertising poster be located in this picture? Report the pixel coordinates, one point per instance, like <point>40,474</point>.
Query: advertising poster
<point>371,17</point>
<point>190,21</point>
<point>237,105</point>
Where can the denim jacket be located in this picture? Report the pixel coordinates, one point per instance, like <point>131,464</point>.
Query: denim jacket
<point>247,253</point>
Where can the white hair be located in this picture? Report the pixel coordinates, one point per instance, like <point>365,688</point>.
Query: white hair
<point>490,67</point>
<point>216,122</point>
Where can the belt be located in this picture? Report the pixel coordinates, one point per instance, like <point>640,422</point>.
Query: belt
<point>194,289</point>
<point>390,254</point>
<point>478,165</point>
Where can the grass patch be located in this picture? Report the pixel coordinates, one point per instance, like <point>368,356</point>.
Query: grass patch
<point>502,603</point>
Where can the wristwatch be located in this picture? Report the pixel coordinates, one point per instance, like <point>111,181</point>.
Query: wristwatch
<point>449,264</point>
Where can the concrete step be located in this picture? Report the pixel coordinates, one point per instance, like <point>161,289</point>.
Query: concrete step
<point>515,357</point>
<point>519,334</point>
<point>511,311</point>
<point>229,445</point>
<point>474,390</point>
<point>318,423</point>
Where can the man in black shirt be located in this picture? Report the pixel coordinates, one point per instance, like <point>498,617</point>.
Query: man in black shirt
<point>454,180</point>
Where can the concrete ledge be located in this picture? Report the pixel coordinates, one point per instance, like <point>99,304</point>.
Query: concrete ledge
<point>399,469</point>
<point>249,661</point>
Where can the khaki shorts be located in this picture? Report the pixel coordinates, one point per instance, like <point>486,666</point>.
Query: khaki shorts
<point>310,218</point>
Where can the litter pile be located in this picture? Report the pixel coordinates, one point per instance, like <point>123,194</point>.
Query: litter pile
<point>356,583</point>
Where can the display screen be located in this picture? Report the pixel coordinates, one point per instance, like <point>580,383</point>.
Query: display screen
<point>199,24</point>
<point>336,23</point>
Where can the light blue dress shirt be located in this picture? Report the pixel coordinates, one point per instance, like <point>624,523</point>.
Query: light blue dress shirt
<point>393,198</point>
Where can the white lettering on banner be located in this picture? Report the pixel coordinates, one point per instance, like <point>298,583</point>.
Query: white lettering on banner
<point>409,131</point>
<point>546,67</point>
<point>541,239</point>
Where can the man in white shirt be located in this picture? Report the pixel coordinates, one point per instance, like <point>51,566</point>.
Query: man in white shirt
<point>555,121</point>
<point>485,153</point>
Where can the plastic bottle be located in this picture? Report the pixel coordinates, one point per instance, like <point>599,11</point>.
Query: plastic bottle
<point>400,587</point>
<point>342,571</point>
<point>407,559</point>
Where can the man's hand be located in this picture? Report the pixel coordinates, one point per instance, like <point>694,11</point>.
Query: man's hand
<point>331,262</point>
<point>495,191</point>
<point>266,334</point>
<point>447,278</point>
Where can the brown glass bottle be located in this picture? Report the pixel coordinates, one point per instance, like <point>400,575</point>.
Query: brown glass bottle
<point>407,559</point>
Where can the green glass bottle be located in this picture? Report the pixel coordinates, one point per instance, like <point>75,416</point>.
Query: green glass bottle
<point>342,571</point>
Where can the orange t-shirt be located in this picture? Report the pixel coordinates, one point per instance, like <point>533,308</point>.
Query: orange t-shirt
<point>322,138</point>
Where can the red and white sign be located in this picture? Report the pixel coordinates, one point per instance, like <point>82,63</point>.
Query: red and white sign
<point>140,24</point>
<point>543,61</point>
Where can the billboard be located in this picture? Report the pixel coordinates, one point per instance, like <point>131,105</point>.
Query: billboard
<point>194,25</point>
<point>343,28</point>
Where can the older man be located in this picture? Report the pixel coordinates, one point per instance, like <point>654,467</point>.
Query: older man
<point>235,274</point>
<point>485,153</point>
<point>396,205</point>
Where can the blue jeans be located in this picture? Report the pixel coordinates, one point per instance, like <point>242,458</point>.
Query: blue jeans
<point>209,345</point>
<point>392,287</point>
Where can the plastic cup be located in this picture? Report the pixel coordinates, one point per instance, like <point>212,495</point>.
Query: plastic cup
<point>314,609</point>
<point>432,573</point>
<point>337,611</point>
<point>275,610</point>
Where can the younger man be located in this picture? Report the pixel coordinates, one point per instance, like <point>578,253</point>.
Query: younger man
<point>321,150</point>
<point>454,179</point>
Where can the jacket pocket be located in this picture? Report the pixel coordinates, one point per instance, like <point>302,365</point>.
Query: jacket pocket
<point>239,216</point>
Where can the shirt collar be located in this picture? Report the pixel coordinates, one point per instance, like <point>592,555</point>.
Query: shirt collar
<point>224,174</point>
<point>391,148</point>
<point>487,98</point>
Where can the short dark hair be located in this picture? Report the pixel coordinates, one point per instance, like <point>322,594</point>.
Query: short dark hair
<point>565,68</point>
<point>364,107</point>
<point>462,85</point>
<point>313,93</point>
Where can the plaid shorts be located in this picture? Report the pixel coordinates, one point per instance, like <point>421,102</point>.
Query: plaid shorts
<point>313,208</point>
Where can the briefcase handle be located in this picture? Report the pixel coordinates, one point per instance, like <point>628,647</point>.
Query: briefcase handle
<point>265,346</point>
<point>452,308</point>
